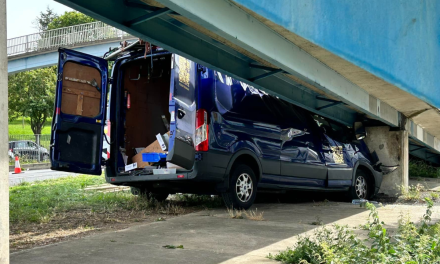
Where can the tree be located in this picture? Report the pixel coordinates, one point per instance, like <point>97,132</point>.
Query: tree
<point>69,19</point>
<point>32,94</point>
<point>44,19</point>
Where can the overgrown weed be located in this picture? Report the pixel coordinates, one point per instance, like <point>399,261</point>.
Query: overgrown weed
<point>412,193</point>
<point>413,243</point>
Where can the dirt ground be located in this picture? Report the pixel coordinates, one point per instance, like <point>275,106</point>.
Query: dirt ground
<point>80,223</point>
<point>212,236</point>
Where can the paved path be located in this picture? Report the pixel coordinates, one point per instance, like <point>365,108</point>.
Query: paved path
<point>36,175</point>
<point>210,236</point>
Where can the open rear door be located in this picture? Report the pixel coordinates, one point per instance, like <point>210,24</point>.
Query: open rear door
<point>78,123</point>
<point>183,112</point>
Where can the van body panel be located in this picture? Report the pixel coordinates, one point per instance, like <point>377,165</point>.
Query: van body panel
<point>182,108</point>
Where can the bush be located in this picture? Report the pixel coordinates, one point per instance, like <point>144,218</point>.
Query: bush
<point>419,168</point>
<point>411,244</point>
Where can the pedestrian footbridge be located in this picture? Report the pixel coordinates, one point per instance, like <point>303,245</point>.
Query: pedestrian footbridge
<point>41,49</point>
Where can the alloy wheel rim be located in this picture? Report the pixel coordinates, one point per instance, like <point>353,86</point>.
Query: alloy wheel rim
<point>244,187</point>
<point>361,187</point>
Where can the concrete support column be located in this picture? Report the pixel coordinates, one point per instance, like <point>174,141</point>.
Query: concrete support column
<point>392,149</point>
<point>4,168</point>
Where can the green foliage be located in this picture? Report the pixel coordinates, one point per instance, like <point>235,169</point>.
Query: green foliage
<point>419,168</point>
<point>411,244</point>
<point>32,94</point>
<point>16,127</point>
<point>44,19</point>
<point>68,19</point>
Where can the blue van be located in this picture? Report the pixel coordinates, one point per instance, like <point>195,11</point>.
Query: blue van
<point>225,136</point>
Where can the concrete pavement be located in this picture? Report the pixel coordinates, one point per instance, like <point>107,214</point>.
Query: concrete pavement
<point>37,175</point>
<point>210,236</point>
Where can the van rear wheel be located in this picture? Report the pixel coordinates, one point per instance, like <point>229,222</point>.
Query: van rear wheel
<point>242,188</point>
<point>144,192</point>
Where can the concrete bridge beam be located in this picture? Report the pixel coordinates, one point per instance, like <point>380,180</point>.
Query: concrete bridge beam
<point>4,174</point>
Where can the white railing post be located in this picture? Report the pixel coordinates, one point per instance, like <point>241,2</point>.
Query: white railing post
<point>73,35</point>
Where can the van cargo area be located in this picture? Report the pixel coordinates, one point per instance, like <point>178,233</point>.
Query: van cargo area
<point>144,112</point>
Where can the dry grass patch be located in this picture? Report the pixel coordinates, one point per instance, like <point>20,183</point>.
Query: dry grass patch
<point>235,214</point>
<point>254,215</point>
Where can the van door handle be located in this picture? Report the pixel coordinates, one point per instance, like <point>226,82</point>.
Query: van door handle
<point>180,113</point>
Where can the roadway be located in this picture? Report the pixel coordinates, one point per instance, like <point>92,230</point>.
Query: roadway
<point>36,175</point>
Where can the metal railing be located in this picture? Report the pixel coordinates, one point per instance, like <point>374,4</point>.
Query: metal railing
<point>68,36</point>
<point>30,148</point>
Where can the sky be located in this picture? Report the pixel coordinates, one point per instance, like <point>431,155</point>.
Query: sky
<point>22,13</point>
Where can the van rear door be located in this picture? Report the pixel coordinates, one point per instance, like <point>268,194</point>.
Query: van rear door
<point>183,112</point>
<point>79,114</point>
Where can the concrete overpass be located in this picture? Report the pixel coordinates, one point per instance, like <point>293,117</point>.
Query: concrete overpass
<point>348,60</point>
<point>328,57</point>
<point>331,57</point>
<point>41,49</point>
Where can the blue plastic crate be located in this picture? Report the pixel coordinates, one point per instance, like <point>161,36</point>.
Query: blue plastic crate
<point>153,157</point>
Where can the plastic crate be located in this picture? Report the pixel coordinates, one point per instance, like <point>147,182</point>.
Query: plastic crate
<point>153,157</point>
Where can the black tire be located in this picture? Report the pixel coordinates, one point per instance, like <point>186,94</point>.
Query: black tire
<point>160,197</point>
<point>362,186</point>
<point>244,175</point>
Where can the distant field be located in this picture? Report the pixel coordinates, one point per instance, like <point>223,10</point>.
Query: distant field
<point>16,127</point>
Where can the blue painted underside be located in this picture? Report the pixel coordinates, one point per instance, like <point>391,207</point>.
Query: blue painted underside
<point>396,40</point>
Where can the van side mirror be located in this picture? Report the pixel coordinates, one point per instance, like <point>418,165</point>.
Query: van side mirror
<point>359,130</point>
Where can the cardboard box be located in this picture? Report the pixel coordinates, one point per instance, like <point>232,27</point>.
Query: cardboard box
<point>153,147</point>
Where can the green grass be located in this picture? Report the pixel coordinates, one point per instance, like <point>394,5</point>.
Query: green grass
<point>419,168</point>
<point>38,202</point>
<point>16,127</point>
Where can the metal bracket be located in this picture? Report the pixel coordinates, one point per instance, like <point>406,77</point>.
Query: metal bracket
<point>148,16</point>
<point>262,67</point>
<point>414,150</point>
<point>333,102</point>
<point>264,75</point>
<point>271,70</point>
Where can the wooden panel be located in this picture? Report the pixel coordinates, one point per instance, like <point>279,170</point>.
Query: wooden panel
<point>149,101</point>
<point>79,97</point>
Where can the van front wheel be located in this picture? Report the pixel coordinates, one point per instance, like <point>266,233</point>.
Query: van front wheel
<point>141,191</point>
<point>242,188</point>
